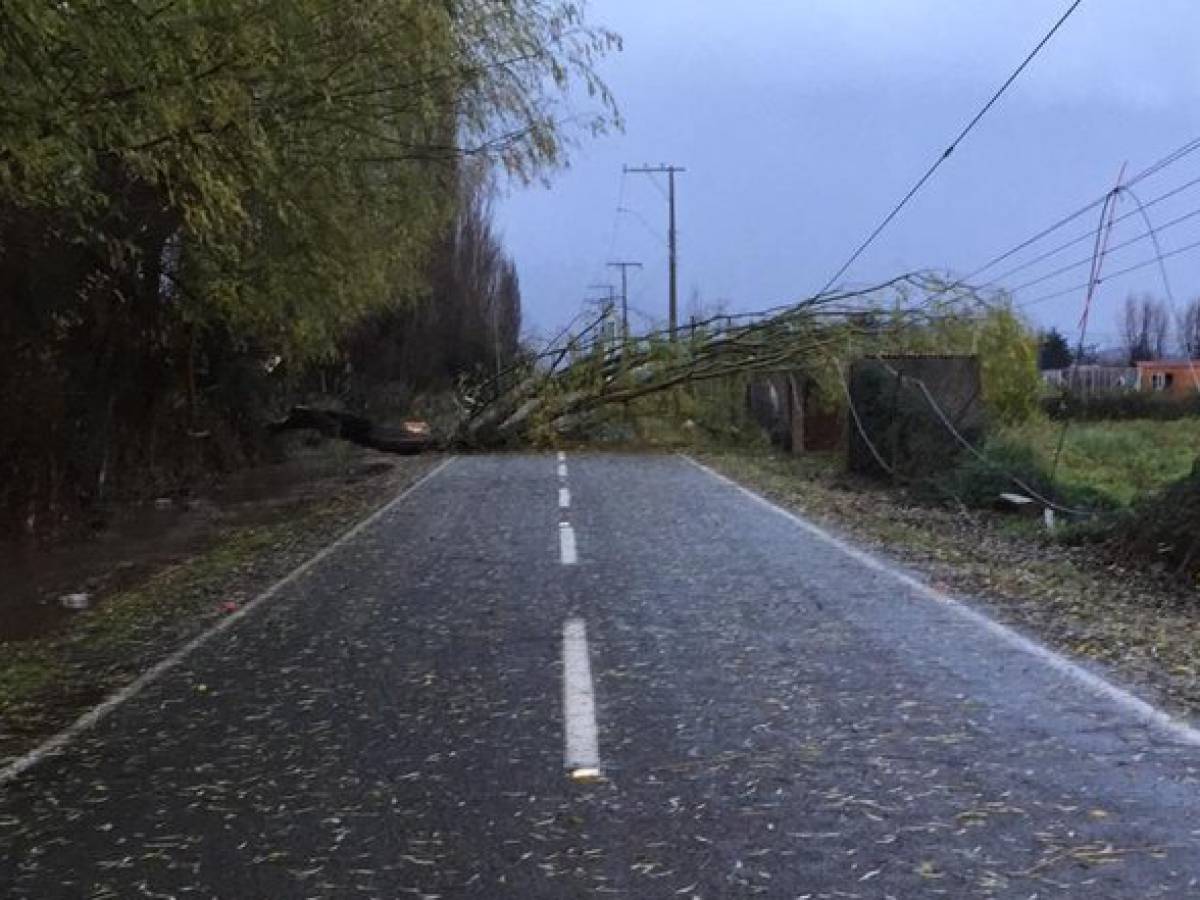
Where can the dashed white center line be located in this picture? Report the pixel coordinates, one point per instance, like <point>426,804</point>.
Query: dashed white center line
<point>566,544</point>
<point>562,470</point>
<point>581,745</point>
<point>564,498</point>
<point>562,455</point>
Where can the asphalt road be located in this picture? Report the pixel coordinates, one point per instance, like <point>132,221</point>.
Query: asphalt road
<point>770,715</point>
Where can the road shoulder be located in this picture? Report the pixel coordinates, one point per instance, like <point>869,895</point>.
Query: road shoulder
<point>1141,629</point>
<point>46,683</point>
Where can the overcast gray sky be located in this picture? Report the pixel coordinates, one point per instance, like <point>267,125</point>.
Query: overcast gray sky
<point>801,123</point>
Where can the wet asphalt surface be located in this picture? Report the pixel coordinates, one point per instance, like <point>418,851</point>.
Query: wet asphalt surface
<point>775,720</point>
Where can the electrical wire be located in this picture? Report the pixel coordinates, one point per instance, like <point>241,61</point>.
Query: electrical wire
<point>1151,233</point>
<point>1099,254</point>
<point>654,232</point>
<point>968,280</point>
<point>937,164</point>
<point>1162,269</point>
<point>1091,233</point>
<point>1170,159</point>
<point>1118,273</point>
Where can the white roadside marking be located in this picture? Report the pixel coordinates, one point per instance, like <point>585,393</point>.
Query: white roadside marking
<point>581,754</point>
<point>1136,706</point>
<point>562,470</point>
<point>95,715</point>
<point>564,498</point>
<point>566,544</point>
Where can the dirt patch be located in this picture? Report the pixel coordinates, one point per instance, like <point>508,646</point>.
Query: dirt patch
<point>161,575</point>
<point>139,540</point>
<point>1144,627</point>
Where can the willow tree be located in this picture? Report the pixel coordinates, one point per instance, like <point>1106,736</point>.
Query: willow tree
<point>180,178</point>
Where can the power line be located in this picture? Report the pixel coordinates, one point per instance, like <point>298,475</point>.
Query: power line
<point>1170,159</point>
<point>937,164</point>
<point>1152,234</point>
<point>1091,233</point>
<point>1127,270</point>
<point>654,232</point>
<point>616,226</point>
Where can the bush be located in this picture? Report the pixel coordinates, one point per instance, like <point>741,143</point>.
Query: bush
<point>895,417</point>
<point>1121,405</point>
<point>978,483</point>
<point>1165,530</point>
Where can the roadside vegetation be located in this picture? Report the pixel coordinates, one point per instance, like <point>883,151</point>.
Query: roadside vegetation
<point>47,679</point>
<point>1125,460</point>
<point>1115,579</point>
<point>211,210</point>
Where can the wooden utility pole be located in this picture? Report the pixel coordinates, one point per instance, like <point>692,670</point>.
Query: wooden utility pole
<point>669,171</point>
<point>625,267</point>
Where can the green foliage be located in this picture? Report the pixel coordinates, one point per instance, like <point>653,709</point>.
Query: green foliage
<point>1008,357</point>
<point>1126,460</point>
<point>1005,344</point>
<point>296,155</point>
<point>1121,405</point>
<point>1166,528</point>
<point>195,193</point>
<point>978,483</point>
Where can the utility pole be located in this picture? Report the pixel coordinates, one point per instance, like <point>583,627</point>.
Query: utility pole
<point>625,267</point>
<point>608,303</point>
<point>669,171</point>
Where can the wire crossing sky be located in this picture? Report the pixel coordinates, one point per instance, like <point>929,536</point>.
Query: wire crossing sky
<point>799,122</point>
<point>945,155</point>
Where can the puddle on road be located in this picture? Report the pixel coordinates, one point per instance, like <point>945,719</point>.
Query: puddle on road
<point>141,540</point>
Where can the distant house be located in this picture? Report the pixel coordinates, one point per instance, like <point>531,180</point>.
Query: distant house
<point>1176,377</point>
<point>1087,380</point>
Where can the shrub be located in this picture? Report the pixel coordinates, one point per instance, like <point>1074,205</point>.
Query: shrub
<point>978,483</point>
<point>1121,405</point>
<point>1165,530</point>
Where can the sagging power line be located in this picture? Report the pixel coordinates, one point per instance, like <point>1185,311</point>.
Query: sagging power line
<point>945,155</point>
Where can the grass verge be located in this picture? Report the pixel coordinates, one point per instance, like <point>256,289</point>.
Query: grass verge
<point>46,682</point>
<point>1125,460</point>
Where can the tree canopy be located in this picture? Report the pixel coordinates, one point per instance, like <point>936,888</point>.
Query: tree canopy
<point>1053,351</point>
<point>190,188</point>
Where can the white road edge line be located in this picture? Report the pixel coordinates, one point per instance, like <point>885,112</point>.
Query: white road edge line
<point>564,498</point>
<point>1136,706</point>
<point>94,716</point>
<point>566,544</point>
<point>581,751</point>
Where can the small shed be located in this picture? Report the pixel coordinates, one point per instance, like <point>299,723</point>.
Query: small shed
<point>795,413</point>
<point>912,413</point>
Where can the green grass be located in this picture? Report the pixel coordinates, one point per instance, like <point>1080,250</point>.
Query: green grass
<point>1125,460</point>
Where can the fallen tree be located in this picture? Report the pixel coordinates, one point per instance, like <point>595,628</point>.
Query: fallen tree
<point>406,439</point>
<point>563,389</point>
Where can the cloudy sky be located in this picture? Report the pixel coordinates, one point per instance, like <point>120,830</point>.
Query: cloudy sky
<point>801,122</point>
